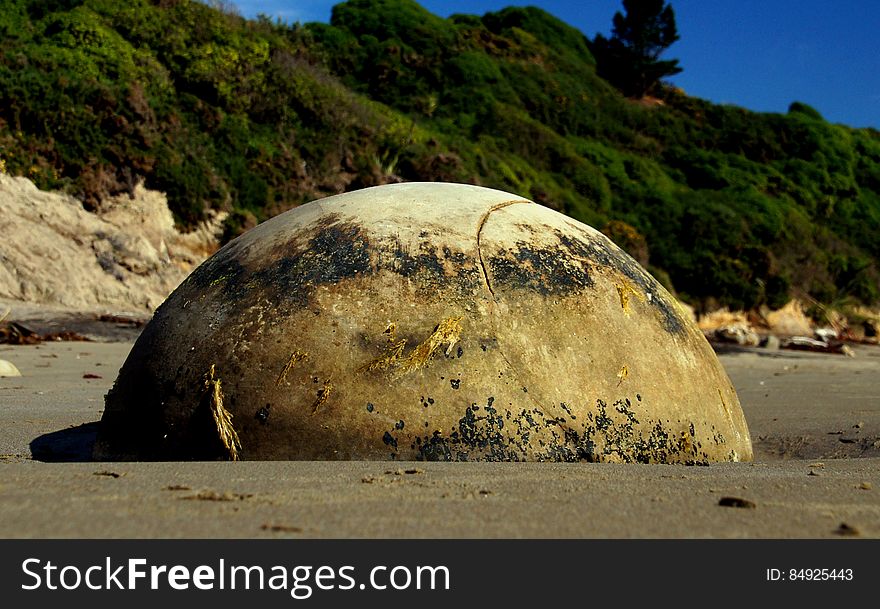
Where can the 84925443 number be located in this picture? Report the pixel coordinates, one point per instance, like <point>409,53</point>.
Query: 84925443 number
<point>820,574</point>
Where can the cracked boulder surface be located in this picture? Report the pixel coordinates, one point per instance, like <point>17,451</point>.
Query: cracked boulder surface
<point>422,321</point>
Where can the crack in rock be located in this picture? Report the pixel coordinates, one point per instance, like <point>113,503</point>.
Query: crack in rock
<point>494,298</point>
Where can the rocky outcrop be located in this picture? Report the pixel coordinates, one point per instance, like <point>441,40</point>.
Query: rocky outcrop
<point>127,255</point>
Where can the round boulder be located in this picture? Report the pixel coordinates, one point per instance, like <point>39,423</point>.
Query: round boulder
<point>423,321</point>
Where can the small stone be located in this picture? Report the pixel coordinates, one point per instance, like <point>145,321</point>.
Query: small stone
<point>865,486</point>
<point>847,530</point>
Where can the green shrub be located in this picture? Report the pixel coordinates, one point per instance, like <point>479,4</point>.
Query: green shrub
<point>735,207</point>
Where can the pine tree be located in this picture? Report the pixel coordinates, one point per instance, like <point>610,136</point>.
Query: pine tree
<point>630,59</point>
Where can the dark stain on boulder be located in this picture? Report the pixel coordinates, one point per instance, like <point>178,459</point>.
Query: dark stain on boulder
<point>425,263</point>
<point>608,434</point>
<point>564,268</point>
<point>600,251</point>
<point>336,251</point>
<point>389,440</point>
<point>263,414</point>
<point>538,269</point>
<point>431,269</point>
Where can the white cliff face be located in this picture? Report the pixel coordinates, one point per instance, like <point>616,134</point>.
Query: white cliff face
<point>128,255</point>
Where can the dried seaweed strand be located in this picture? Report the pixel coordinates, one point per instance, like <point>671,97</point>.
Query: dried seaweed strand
<point>323,395</point>
<point>622,375</point>
<point>624,290</point>
<point>447,332</point>
<point>296,356</point>
<point>222,417</point>
<point>389,358</point>
<point>391,331</point>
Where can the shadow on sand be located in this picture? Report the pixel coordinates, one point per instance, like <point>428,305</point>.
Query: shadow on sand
<point>67,445</point>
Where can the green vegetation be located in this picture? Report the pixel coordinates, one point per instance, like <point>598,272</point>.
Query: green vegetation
<point>724,205</point>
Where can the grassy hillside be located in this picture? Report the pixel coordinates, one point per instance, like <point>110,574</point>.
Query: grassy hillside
<point>726,206</point>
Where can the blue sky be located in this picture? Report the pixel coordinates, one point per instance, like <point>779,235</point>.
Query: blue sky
<point>758,54</point>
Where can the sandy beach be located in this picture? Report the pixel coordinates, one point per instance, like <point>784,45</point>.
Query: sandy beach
<point>814,420</point>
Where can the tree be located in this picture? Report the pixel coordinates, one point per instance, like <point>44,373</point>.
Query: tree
<point>630,59</point>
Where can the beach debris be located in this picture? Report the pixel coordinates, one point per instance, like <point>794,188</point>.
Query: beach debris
<point>805,343</point>
<point>826,335</point>
<point>13,333</point>
<point>402,472</point>
<point>865,486</point>
<point>787,328</point>
<point>215,496</point>
<point>863,332</point>
<point>737,502</point>
<point>92,375</point>
<point>281,528</point>
<point>8,369</point>
<point>720,318</point>
<point>108,474</point>
<point>847,530</point>
<point>178,487</point>
<point>122,320</point>
<point>738,334</point>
